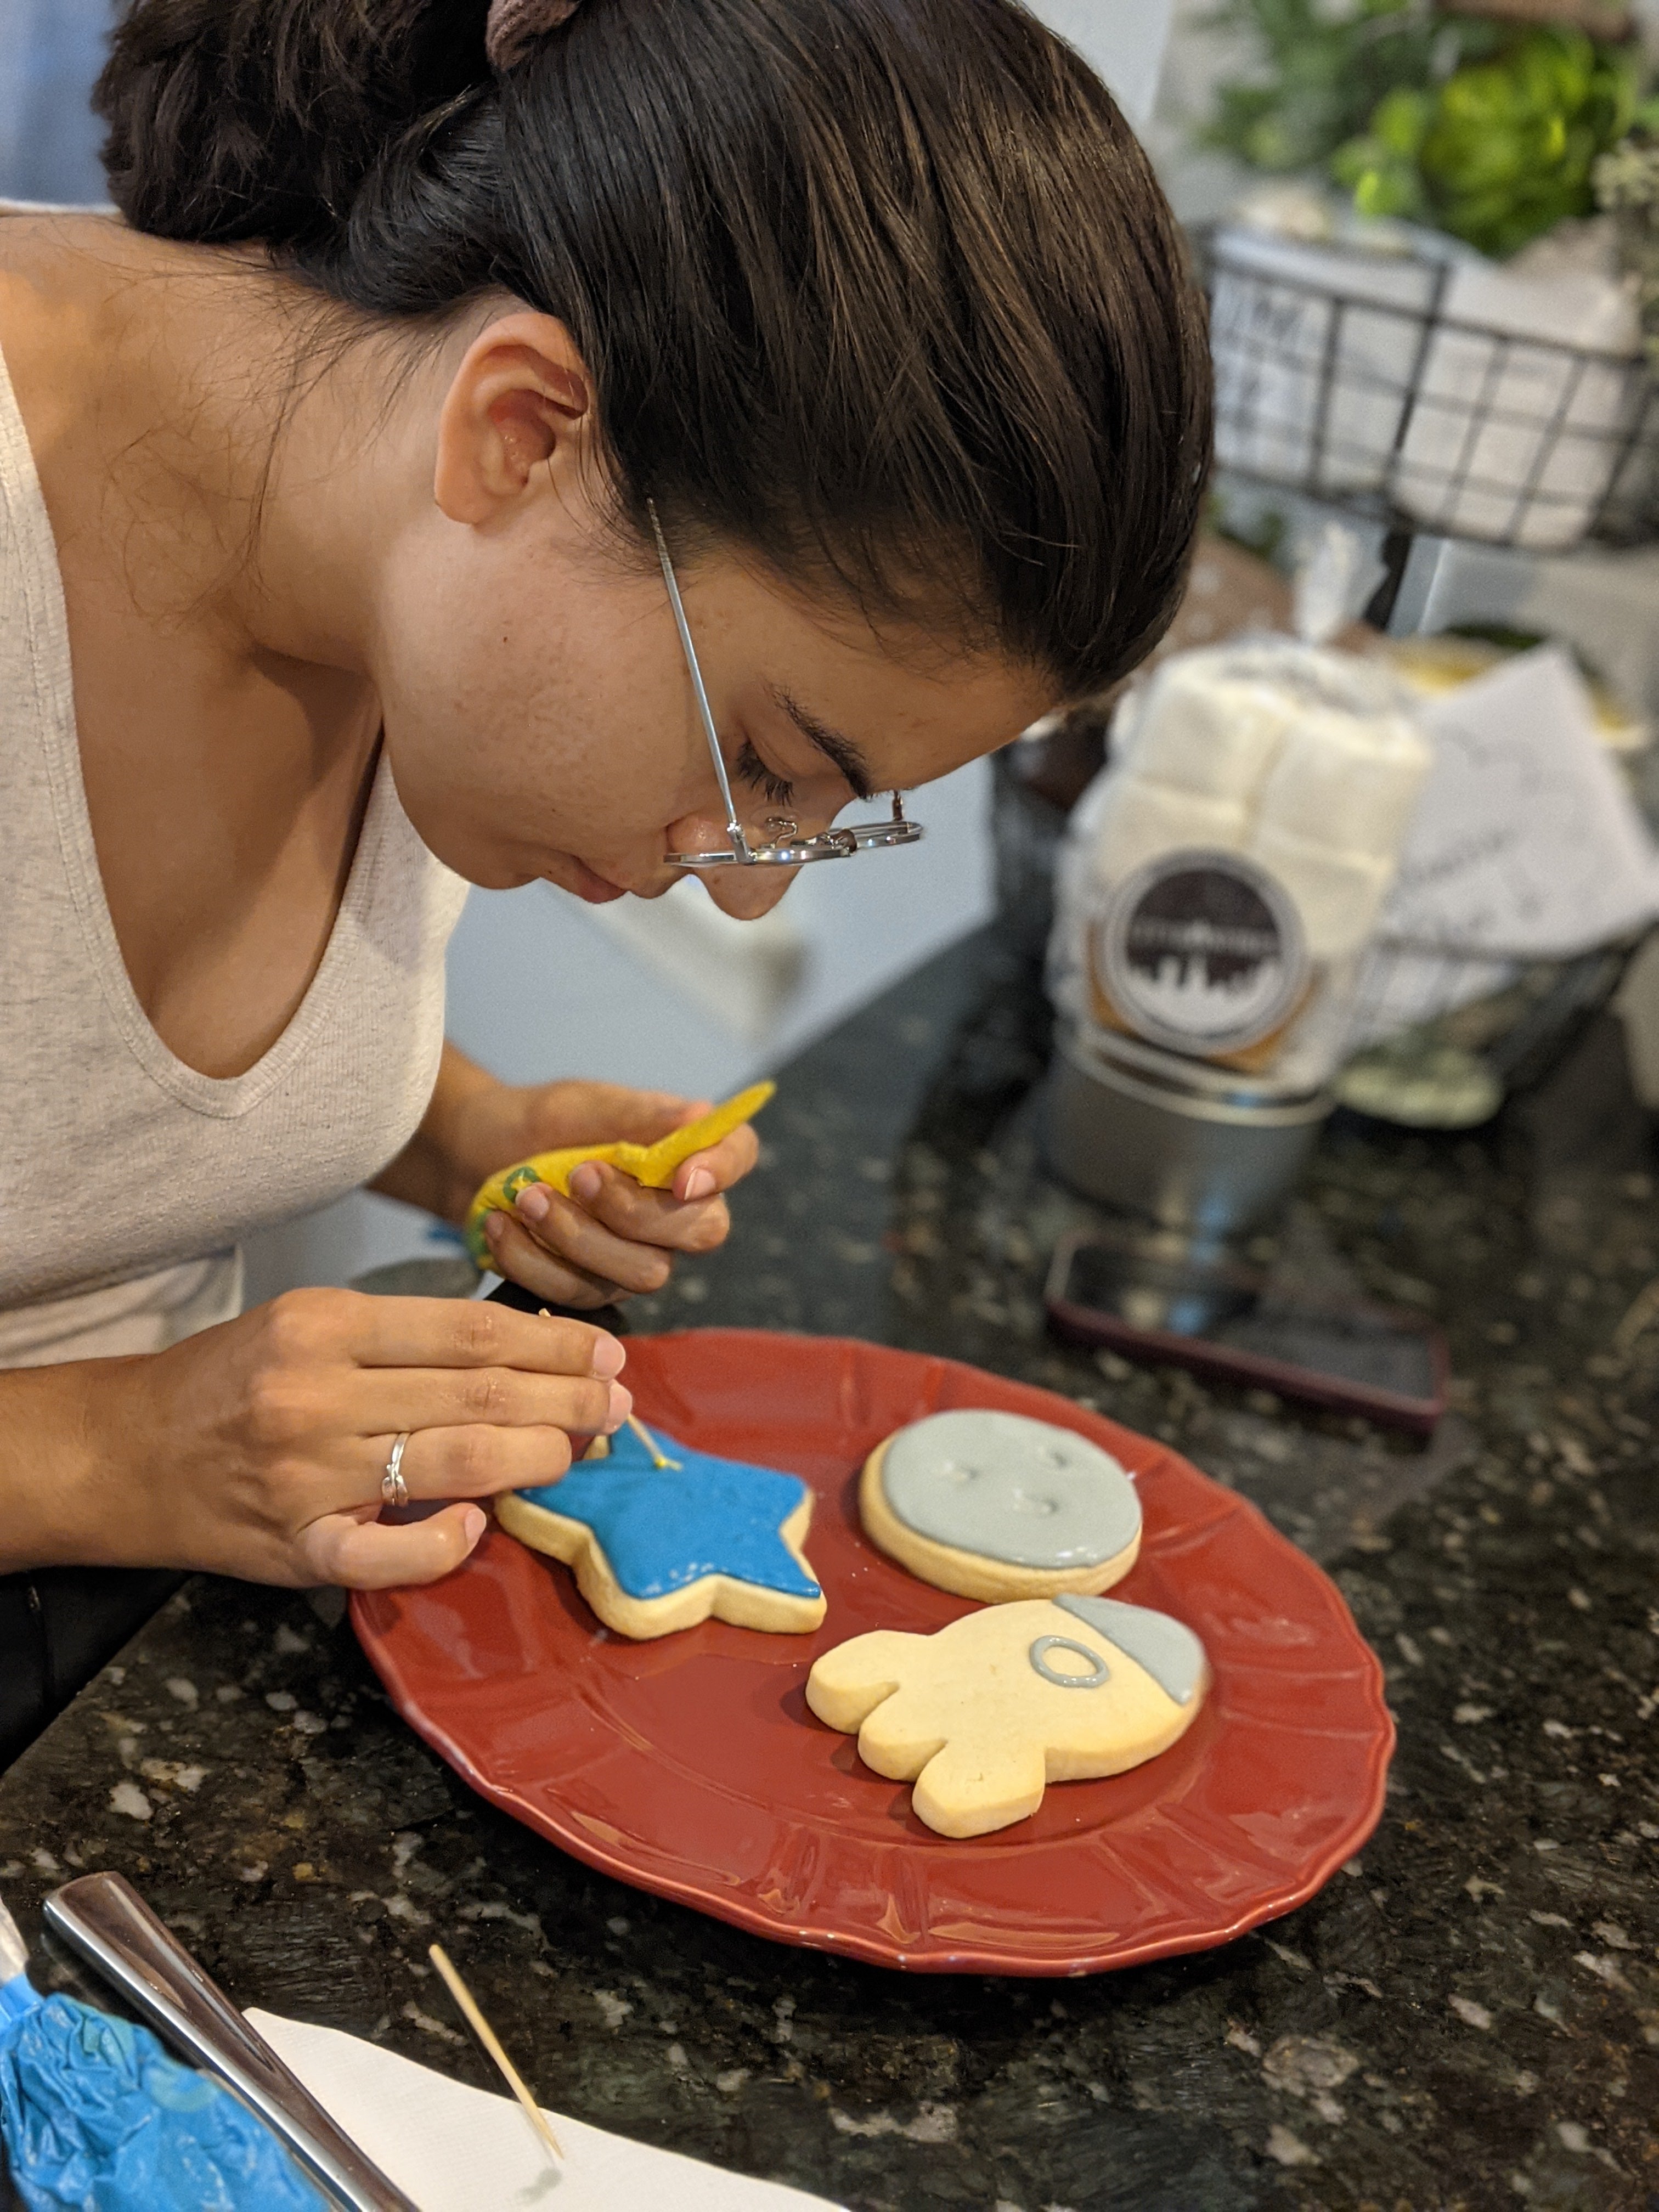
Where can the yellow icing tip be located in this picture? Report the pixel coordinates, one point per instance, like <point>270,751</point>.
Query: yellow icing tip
<point>659,1457</point>
<point>656,1169</point>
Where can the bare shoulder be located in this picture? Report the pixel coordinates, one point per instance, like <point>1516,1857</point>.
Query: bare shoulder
<point>59,269</point>
<point>54,248</point>
<point>78,295</point>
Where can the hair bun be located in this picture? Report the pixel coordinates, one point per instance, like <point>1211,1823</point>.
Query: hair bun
<point>516,28</point>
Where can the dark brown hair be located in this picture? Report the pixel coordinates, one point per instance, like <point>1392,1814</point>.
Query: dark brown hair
<point>885,287</point>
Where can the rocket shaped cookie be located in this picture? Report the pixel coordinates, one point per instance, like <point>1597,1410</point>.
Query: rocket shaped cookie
<point>983,1714</point>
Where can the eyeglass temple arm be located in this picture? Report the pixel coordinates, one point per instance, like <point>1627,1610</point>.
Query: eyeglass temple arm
<point>734,827</point>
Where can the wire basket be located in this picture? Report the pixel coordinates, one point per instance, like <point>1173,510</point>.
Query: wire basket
<point>1341,374</point>
<point>1496,1027</point>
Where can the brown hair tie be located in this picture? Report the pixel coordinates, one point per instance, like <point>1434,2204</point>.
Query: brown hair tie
<point>515,27</point>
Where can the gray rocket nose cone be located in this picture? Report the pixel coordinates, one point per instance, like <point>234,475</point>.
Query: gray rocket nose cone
<point>1166,1649</point>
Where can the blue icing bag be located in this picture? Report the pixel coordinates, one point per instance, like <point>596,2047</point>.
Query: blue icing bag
<point>95,2116</point>
<point>661,1528</point>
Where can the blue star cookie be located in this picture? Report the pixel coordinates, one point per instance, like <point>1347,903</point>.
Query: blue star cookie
<point>658,1546</point>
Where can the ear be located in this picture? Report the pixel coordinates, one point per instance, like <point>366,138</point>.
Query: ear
<point>522,401</point>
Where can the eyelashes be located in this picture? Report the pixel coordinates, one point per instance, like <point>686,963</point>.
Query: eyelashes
<point>756,774</point>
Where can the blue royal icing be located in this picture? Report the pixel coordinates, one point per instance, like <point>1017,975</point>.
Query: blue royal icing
<point>661,1528</point>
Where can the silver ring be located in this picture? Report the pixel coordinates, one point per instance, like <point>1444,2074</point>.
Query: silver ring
<point>393,1489</point>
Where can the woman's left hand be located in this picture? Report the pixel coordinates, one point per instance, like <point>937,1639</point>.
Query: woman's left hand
<point>611,1237</point>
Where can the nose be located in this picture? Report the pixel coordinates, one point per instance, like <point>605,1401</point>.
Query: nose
<point>743,893</point>
<point>747,893</point>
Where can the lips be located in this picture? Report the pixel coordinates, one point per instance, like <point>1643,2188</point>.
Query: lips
<point>575,876</point>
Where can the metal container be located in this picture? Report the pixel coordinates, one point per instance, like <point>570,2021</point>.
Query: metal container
<point>1195,1149</point>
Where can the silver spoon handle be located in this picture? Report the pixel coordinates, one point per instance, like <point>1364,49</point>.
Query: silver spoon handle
<point>104,1919</point>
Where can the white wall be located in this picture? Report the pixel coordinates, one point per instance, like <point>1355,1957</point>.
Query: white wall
<point>1123,39</point>
<point>1201,185</point>
<point>542,984</point>
<point>50,52</point>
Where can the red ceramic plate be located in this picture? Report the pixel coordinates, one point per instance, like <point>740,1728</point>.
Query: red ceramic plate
<point>692,1766</point>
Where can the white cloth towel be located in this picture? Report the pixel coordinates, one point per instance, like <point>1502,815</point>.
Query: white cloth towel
<point>453,2149</point>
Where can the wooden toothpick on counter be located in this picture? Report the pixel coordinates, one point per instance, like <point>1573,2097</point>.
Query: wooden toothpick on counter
<point>486,2035</point>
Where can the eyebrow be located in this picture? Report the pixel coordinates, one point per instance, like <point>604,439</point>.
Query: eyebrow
<point>836,748</point>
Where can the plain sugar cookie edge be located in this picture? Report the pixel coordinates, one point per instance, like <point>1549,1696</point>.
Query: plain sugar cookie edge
<point>972,1574</point>
<point>960,1822</point>
<point>537,1529</point>
<point>846,1706</point>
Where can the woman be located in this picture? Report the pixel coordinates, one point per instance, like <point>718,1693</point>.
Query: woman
<point>331,478</point>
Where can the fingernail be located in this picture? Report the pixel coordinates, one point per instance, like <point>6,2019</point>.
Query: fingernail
<point>609,1358</point>
<point>493,1223</point>
<point>586,1182</point>
<point>472,1521</point>
<point>621,1405</point>
<point>700,1183</point>
<point>533,1203</point>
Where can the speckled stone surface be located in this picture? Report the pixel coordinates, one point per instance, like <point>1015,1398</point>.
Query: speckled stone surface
<point>1468,2015</point>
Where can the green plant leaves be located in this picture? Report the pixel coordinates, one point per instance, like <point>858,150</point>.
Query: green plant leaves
<point>1485,132</point>
<point>1322,67</point>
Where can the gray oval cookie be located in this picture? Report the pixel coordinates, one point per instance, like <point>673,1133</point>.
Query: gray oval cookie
<point>1010,1489</point>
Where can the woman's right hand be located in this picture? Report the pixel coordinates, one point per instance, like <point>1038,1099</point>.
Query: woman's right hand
<point>257,1448</point>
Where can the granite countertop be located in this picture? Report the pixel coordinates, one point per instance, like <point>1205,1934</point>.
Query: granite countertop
<point>1467,2015</point>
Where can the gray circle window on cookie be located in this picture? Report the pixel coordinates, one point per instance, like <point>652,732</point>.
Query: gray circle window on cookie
<point>1011,1489</point>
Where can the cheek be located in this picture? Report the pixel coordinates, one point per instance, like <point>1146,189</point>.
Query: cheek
<point>510,745</point>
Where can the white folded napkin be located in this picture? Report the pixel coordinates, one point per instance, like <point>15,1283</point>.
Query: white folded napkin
<point>453,2149</point>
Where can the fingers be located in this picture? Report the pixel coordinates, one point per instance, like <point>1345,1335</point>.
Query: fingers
<point>471,1461</point>
<point>515,1253</point>
<point>627,1255</point>
<point>440,1333</point>
<point>719,1167</point>
<point>357,1555</point>
<point>390,1399</point>
<point>605,1198</point>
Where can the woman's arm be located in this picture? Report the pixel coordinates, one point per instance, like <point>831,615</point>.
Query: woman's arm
<point>257,1448</point>
<point>50,1461</point>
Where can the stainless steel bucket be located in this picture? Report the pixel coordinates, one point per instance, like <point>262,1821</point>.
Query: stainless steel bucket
<point>1196,1149</point>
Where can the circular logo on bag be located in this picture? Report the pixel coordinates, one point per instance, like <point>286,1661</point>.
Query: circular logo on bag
<point>1202,951</point>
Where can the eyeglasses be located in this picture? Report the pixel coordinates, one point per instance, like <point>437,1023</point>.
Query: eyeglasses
<point>784,846</point>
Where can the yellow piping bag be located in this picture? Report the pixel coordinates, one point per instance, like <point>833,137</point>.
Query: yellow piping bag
<point>652,1165</point>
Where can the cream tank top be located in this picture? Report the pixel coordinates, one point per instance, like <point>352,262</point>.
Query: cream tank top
<point>127,1177</point>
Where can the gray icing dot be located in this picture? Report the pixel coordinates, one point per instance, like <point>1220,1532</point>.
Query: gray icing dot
<point>1169,1651</point>
<point>1011,1489</point>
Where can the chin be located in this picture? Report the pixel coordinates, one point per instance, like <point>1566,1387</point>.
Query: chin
<point>487,871</point>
